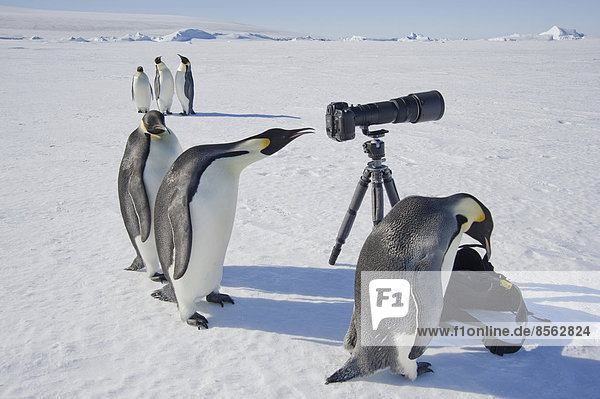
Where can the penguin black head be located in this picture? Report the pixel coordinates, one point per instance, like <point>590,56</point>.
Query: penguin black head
<point>154,122</point>
<point>184,60</point>
<point>140,69</point>
<point>482,230</point>
<point>158,60</point>
<point>279,138</point>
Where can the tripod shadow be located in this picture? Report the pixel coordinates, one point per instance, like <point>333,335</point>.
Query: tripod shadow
<point>221,115</point>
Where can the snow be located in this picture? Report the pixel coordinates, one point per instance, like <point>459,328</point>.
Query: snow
<point>520,132</point>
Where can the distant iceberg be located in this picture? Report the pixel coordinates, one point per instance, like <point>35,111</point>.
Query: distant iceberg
<point>556,33</point>
<point>77,39</point>
<point>416,37</point>
<point>413,37</point>
<point>187,35</point>
<point>137,37</point>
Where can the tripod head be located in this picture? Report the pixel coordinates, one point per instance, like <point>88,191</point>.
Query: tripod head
<point>374,148</point>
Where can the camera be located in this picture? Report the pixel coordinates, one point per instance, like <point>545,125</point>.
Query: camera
<point>341,119</point>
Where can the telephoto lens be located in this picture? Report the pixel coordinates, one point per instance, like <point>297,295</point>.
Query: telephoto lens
<point>420,107</point>
<point>341,119</point>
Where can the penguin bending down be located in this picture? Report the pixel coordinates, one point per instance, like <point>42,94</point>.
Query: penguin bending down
<point>184,85</point>
<point>419,234</point>
<point>194,213</point>
<point>149,152</point>
<point>163,86</point>
<point>141,91</point>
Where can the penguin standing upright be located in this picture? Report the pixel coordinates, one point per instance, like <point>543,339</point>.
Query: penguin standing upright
<point>149,152</point>
<point>141,91</point>
<point>184,85</point>
<point>163,86</point>
<point>194,213</point>
<point>419,234</point>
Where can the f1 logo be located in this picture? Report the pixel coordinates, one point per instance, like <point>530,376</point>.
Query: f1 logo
<point>388,298</point>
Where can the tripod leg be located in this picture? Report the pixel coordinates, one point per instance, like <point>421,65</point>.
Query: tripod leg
<point>390,187</point>
<point>377,197</point>
<point>359,194</point>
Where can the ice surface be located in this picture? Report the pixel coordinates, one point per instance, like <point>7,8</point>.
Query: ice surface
<point>521,132</point>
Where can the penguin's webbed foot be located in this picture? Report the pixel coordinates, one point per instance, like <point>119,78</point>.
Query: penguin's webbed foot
<point>423,367</point>
<point>215,297</point>
<point>136,265</point>
<point>166,294</point>
<point>197,320</point>
<point>159,278</point>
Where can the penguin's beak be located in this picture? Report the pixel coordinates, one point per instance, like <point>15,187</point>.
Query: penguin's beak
<point>276,139</point>
<point>481,230</point>
<point>488,248</point>
<point>156,130</point>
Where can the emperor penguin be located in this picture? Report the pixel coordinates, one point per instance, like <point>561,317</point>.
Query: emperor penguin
<point>163,86</point>
<point>141,91</point>
<point>194,214</point>
<point>184,85</point>
<point>150,151</point>
<point>419,234</point>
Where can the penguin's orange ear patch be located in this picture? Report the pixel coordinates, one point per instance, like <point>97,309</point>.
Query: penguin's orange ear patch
<point>266,143</point>
<point>481,216</point>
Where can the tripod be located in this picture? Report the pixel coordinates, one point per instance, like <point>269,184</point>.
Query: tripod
<point>379,175</point>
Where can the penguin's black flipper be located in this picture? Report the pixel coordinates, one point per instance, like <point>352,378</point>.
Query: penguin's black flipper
<point>157,84</point>
<point>137,265</point>
<point>137,191</point>
<point>197,320</point>
<point>215,297</point>
<point>181,227</point>
<point>133,199</point>
<point>188,90</point>
<point>166,293</point>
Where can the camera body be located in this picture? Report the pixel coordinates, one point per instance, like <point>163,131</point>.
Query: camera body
<point>341,120</point>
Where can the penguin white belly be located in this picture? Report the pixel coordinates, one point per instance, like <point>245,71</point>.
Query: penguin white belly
<point>180,90</point>
<point>163,153</point>
<point>166,91</point>
<point>448,262</point>
<point>141,93</point>
<point>212,212</point>
<point>404,341</point>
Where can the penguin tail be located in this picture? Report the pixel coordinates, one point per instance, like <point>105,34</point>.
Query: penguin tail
<point>350,370</point>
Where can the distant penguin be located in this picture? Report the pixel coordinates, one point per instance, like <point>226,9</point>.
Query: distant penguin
<point>184,85</point>
<point>419,234</point>
<point>150,151</point>
<point>194,214</point>
<point>163,86</point>
<point>141,91</point>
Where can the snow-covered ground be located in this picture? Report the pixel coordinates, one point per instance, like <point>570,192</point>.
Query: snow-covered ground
<point>520,132</point>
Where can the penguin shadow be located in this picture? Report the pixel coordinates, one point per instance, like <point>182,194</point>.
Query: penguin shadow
<point>311,304</point>
<point>221,115</point>
<point>544,372</point>
<point>573,294</point>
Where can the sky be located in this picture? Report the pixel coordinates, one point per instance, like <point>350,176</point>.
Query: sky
<point>473,19</point>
